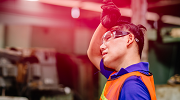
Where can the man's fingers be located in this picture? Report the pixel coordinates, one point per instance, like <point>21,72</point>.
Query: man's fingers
<point>110,8</point>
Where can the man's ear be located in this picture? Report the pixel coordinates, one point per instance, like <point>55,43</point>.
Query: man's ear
<point>130,39</point>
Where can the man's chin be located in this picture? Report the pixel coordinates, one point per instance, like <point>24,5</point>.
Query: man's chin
<point>107,67</point>
<point>106,62</point>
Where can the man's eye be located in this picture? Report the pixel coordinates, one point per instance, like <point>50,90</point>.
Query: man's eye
<point>108,37</point>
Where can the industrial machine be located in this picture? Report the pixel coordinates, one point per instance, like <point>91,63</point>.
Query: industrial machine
<point>30,73</point>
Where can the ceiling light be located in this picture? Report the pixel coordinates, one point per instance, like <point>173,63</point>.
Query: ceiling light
<point>75,12</point>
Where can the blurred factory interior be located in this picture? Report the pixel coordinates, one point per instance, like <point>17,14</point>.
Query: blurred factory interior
<point>43,46</point>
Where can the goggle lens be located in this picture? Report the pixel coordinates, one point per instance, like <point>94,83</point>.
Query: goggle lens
<point>113,34</point>
<point>107,36</point>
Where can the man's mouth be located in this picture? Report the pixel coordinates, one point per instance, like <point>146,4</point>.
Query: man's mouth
<point>103,54</point>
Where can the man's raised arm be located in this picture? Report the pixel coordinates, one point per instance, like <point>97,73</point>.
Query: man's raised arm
<point>94,52</point>
<point>109,18</point>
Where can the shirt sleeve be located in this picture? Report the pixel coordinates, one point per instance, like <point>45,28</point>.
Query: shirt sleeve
<point>104,70</point>
<point>134,89</point>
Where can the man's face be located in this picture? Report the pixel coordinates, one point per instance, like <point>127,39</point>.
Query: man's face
<point>113,48</point>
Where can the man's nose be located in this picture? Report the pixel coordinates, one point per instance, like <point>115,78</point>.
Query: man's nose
<point>102,47</point>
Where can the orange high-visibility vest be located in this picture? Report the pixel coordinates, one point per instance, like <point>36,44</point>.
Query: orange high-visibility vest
<point>113,87</point>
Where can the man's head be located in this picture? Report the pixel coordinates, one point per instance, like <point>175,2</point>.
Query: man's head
<point>136,30</point>
<point>120,41</point>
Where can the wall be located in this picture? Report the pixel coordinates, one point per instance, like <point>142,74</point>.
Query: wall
<point>82,38</point>
<point>53,37</point>
<point>164,60</point>
<point>18,36</point>
<point>1,35</point>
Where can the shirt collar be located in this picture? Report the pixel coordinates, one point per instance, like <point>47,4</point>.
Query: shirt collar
<point>142,66</point>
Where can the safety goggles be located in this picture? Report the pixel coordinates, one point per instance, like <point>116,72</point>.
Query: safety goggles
<point>113,34</point>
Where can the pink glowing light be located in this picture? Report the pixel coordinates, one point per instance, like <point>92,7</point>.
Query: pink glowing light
<point>75,12</point>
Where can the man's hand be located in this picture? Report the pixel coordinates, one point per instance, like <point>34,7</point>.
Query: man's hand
<point>110,15</point>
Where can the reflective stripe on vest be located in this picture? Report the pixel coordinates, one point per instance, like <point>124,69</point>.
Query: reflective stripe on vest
<point>113,87</point>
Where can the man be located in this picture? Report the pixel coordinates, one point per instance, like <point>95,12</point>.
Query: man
<point>115,49</point>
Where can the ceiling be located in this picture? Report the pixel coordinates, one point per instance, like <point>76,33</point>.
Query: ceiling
<point>169,7</point>
<point>54,10</point>
<point>165,10</point>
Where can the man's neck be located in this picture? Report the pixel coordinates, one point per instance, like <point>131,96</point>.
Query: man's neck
<point>127,61</point>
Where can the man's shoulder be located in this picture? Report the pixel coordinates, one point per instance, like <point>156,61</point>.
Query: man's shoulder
<point>134,88</point>
<point>133,80</point>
